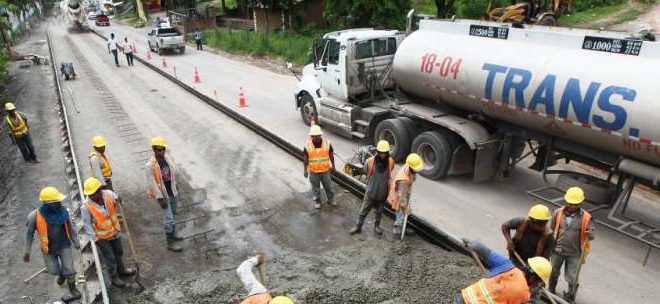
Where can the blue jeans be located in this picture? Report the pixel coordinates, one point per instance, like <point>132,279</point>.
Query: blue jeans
<point>169,214</point>
<point>27,148</point>
<point>570,270</point>
<point>61,264</point>
<point>318,179</point>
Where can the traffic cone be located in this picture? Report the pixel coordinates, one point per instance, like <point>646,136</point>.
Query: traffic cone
<point>241,98</point>
<point>163,61</point>
<point>148,54</point>
<point>197,78</point>
<point>215,93</point>
<point>134,50</point>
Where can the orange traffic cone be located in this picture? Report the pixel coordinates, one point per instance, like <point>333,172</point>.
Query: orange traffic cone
<point>197,78</point>
<point>241,98</point>
<point>215,93</point>
<point>148,54</point>
<point>163,61</point>
<point>134,50</point>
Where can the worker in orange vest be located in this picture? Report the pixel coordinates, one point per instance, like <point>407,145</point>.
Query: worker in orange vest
<point>319,161</point>
<point>504,283</point>
<point>257,293</point>
<point>401,188</point>
<point>102,226</point>
<point>161,185</point>
<point>378,169</point>
<point>573,230</point>
<point>99,163</point>
<point>19,132</point>
<point>56,233</point>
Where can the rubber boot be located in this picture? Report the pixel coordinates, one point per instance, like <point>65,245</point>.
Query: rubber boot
<point>60,280</point>
<point>174,236</point>
<point>75,294</point>
<point>171,244</point>
<point>116,281</point>
<point>122,270</point>
<point>358,226</point>
<point>377,229</point>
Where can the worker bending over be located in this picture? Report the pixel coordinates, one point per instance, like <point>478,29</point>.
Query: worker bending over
<point>56,234</point>
<point>99,163</point>
<point>378,169</point>
<point>504,283</point>
<point>319,161</point>
<point>401,188</point>
<point>161,185</point>
<point>102,226</point>
<point>573,230</point>
<point>257,293</point>
<point>19,132</point>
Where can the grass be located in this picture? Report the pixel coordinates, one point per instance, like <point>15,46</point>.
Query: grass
<point>424,6</point>
<point>288,46</point>
<point>613,14</point>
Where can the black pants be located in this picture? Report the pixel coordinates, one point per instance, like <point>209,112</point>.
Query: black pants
<point>367,205</point>
<point>114,53</point>
<point>129,58</point>
<point>27,148</point>
<point>199,44</point>
<point>112,254</point>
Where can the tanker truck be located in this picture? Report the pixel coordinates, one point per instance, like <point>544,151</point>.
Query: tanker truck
<point>74,13</point>
<point>476,97</point>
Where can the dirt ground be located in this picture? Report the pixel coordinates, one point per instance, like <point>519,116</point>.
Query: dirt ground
<point>649,20</point>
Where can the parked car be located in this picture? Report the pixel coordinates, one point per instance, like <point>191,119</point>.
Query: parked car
<point>102,20</point>
<point>165,38</point>
<point>91,16</point>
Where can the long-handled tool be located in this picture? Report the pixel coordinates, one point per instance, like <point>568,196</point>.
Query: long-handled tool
<point>405,221</point>
<point>262,278</point>
<point>583,258</point>
<point>34,275</point>
<point>132,246</point>
<point>547,293</point>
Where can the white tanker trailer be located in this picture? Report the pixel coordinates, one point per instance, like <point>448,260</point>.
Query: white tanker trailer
<point>468,95</point>
<point>73,11</point>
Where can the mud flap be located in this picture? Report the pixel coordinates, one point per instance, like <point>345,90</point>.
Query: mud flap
<point>485,165</point>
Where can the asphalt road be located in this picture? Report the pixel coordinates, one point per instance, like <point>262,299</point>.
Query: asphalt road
<point>613,274</point>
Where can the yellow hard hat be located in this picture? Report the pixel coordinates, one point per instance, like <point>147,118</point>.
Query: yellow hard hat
<point>158,142</point>
<point>574,196</point>
<point>10,106</point>
<point>51,195</point>
<point>539,212</point>
<point>281,300</point>
<point>315,130</point>
<point>91,185</point>
<point>98,141</point>
<point>383,146</point>
<point>541,266</point>
<point>415,162</point>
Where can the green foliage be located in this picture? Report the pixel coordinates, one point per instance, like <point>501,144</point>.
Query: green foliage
<point>424,6</point>
<point>289,46</point>
<point>615,14</point>
<point>473,9</point>
<point>4,74</point>
<point>367,13</point>
<point>582,5</point>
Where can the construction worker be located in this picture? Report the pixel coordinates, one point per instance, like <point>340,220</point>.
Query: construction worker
<point>533,238</point>
<point>161,185</point>
<point>318,162</point>
<point>504,283</point>
<point>401,188</point>
<point>257,293</point>
<point>99,164</point>
<point>19,132</point>
<point>573,230</point>
<point>56,234</point>
<point>102,226</point>
<point>378,170</point>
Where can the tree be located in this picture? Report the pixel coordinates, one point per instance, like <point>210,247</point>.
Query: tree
<point>443,7</point>
<point>367,13</point>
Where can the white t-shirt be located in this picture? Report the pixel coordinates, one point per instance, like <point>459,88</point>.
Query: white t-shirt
<point>112,44</point>
<point>127,47</point>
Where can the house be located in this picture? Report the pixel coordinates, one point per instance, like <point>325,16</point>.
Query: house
<point>304,13</point>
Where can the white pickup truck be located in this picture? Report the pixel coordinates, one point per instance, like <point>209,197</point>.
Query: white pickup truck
<point>165,38</point>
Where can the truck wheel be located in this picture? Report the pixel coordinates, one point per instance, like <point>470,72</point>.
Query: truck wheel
<point>413,131</point>
<point>182,50</point>
<point>436,150</point>
<point>596,190</point>
<point>308,109</point>
<point>394,130</point>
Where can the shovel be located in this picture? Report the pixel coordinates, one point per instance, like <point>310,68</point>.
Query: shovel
<point>34,275</point>
<point>549,295</point>
<point>405,222</point>
<point>262,278</point>
<point>583,258</point>
<point>132,246</point>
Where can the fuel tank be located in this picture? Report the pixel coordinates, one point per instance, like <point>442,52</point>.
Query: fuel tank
<point>599,89</point>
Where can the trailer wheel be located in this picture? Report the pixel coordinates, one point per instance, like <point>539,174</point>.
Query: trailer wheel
<point>395,132</point>
<point>596,190</point>
<point>413,131</point>
<point>436,150</point>
<point>308,109</point>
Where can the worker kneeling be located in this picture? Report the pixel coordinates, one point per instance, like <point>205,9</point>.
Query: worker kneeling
<point>257,293</point>
<point>102,226</point>
<point>504,283</point>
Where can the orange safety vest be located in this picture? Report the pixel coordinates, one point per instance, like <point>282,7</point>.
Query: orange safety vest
<point>42,232</point>
<point>106,170</point>
<point>155,169</point>
<point>506,288</point>
<point>262,298</point>
<point>105,226</point>
<point>586,218</point>
<point>20,129</point>
<point>319,159</point>
<point>370,166</point>
<point>393,197</point>
<point>540,247</point>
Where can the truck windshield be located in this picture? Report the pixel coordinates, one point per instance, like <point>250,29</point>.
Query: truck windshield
<point>375,48</point>
<point>168,31</point>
